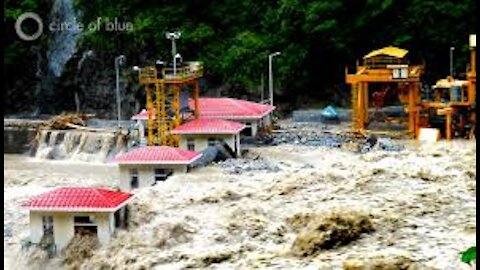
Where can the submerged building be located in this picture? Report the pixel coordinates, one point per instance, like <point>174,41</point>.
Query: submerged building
<point>199,134</point>
<point>144,166</point>
<point>64,212</point>
<point>255,116</point>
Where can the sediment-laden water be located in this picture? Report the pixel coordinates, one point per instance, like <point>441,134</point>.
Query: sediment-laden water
<point>421,202</point>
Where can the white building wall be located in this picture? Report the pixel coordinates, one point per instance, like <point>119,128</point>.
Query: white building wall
<point>267,120</point>
<point>104,230</point>
<point>254,125</point>
<point>63,230</point>
<point>201,141</point>
<point>124,178</point>
<point>36,227</point>
<point>182,144</point>
<point>111,222</point>
<point>237,141</point>
<point>251,124</point>
<point>146,174</point>
<point>63,226</point>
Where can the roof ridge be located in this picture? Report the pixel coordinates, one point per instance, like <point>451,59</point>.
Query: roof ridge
<point>100,193</point>
<point>104,196</point>
<point>243,104</point>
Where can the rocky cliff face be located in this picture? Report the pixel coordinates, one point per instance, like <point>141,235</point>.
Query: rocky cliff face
<point>94,84</point>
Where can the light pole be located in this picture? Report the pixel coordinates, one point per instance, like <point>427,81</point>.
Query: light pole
<point>173,36</point>
<point>119,60</point>
<point>270,75</point>
<point>451,61</point>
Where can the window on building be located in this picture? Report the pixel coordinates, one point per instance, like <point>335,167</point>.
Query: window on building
<point>47,224</point>
<point>191,144</point>
<point>120,217</point>
<point>160,175</point>
<point>247,131</point>
<point>134,178</point>
<point>84,220</point>
<point>84,225</point>
<point>211,141</point>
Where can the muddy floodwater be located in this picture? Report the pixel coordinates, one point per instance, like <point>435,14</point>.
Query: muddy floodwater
<point>421,203</point>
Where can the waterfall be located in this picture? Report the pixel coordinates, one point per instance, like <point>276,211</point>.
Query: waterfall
<point>79,145</point>
<point>63,43</point>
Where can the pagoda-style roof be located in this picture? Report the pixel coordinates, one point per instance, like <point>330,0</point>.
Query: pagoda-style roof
<point>387,51</point>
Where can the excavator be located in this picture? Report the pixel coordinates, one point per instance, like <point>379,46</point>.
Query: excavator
<point>451,109</point>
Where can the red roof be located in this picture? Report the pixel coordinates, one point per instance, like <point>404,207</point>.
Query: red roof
<point>209,126</point>
<point>222,108</point>
<point>230,108</point>
<point>79,199</point>
<point>158,155</point>
<point>143,115</point>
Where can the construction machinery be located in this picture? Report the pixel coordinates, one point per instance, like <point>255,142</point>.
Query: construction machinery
<point>168,90</point>
<point>385,74</point>
<point>451,109</point>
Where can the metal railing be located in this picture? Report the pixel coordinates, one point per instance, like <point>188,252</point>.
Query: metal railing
<point>192,70</point>
<point>147,75</point>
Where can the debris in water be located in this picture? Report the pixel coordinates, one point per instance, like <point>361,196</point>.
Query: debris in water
<point>68,121</point>
<point>329,231</point>
<point>381,262</point>
<point>34,258</point>
<point>207,259</point>
<point>250,220</point>
<point>172,234</point>
<point>139,213</point>
<point>241,165</point>
<point>121,253</point>
<point>80,248</point>
<point>472,174</point>
<point>299,221</point>
<point>427,175</point>
<point>387,144</point>
<point>223,195</point>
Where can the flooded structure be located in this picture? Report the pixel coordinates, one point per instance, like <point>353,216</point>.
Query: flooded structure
<point>144,166</point>
<point>167,89</point>
<point>385,76</point>
<point>452,110</point>
<point>255,116</point>
<point>141,126</point>
<point>199,134</point>
<point>60,214</point>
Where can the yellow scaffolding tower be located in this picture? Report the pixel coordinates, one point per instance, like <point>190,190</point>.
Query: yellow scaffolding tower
<point>385,66</point>
<point>163,99</point>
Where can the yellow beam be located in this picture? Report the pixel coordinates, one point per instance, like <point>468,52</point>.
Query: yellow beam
<point>196,96</point>
<point>354,78</point>
<point>151,138</point>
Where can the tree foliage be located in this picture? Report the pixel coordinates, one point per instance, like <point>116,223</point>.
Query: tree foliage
<point>317,38</point>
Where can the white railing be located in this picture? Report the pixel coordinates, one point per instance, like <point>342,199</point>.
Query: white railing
<point>192,70</point>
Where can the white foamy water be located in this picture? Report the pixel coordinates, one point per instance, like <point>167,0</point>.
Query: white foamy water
<point>77,145</point>
<point>422,202</point>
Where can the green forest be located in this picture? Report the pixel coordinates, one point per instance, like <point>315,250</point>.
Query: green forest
<point>317,39</point>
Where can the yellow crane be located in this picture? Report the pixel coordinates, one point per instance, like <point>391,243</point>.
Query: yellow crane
<point>163,87</point>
